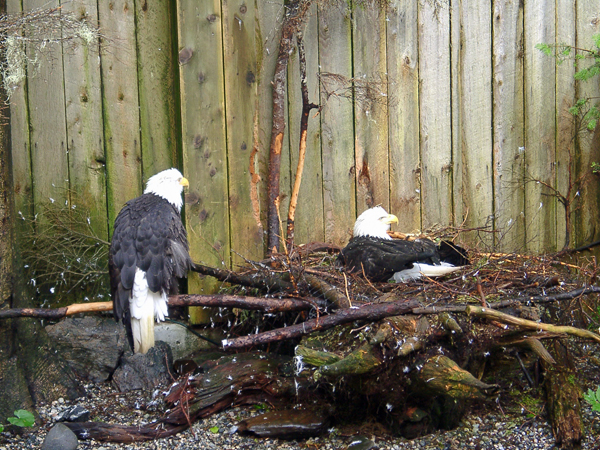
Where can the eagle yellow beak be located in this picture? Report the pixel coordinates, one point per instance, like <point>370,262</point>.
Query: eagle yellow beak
<point>390,218</point>
<point>184,182</point>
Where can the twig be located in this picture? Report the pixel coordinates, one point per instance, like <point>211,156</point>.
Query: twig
<point>488,313</point>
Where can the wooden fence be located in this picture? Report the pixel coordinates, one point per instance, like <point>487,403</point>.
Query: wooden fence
<point>455,118</point>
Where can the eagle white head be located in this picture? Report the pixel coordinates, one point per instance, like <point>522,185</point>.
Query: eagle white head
<point>374,222</point>
<point>168,184</point>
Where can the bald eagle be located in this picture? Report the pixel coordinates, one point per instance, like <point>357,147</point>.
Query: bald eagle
<point>149,249</point>
<point>373,252</point>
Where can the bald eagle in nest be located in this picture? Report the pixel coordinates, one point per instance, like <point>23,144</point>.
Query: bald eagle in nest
<point>149,249</point>
<point>373,252</point>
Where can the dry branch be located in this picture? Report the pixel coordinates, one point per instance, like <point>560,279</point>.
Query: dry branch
<point>271,282</point>
<point>55,313</point>
<point>306,107</point>
<point>268,305</point>
<point>369,313</point>
<point>294,21</point>
<point>488,313</point>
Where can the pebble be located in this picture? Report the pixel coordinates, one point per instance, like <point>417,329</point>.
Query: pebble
<point>476,431</point>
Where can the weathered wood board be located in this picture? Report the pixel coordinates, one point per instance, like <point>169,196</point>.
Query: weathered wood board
<point>240,75</point>
<point>435,114</point>
<point>85,126</point>
<point>371,155</point>
<point>337,127</point>
<point>159,115</point>
<point>203,139</point>
<point>120,102</point>
<point>540,129</point>
<point>508,125</point>
<point>472,119</point>
<point>403,120</point>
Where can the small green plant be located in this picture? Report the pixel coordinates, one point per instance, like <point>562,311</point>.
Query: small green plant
<point>22,419</point>
<point>583,108</point>
<point>593,398</point>
<point>214,430</point>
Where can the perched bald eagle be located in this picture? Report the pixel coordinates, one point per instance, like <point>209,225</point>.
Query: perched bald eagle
<point>149,249</point>
<point>373,252</point>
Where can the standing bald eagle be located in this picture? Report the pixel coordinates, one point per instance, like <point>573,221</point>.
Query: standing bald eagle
<point>149,249</point>
<point>372,251</point>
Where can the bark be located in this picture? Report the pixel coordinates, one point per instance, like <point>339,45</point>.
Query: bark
<point>370,313</point>
<point>270,282</point>
<point>439,375</point>
<point>562,397</point>
<point>295,18</point>
<point>269,305</point>
<point>506,318</point>
<point>306,107</point>
<point>234,379</point>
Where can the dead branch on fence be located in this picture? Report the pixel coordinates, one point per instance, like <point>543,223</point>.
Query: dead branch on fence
<point>294,22</point>
<point>306,108</point>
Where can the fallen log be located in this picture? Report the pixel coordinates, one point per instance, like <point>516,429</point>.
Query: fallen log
<point>562,398</point>
<point>369,313</point>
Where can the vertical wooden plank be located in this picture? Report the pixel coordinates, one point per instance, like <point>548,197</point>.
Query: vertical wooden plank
<point>335,56</point>
<point>156,74</point>
<point>203,141</point>
<point>240,60</point>
<point>472,140</point>
<point>508,126</point>
<point>20,145</point>
<point>403,75</point>
<point>120,104</point>
<point>588,143</point>
<point>435,108</point>
<point>540,149</point>
<point>565,131</point>
<point>370,107</point>
<point>47,126</point>
<point>83,108</point>
<point>309,214</point>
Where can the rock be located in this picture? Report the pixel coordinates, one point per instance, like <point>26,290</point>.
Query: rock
<point>362,443</point>
<point>182,341</point>
<point>92,345</point>
<point>73,414</point>
<point>145,371</point>
<point>286,424</point>
<point>60,438</point>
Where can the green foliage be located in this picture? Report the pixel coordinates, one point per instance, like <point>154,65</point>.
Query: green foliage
<point>595,167</point>
<point>22,419</point>
<point>588,113</point>
<point>593,398</point>
<point>214,430</point>
<point>545,48</point>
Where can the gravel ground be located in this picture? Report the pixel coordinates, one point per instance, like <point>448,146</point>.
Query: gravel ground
<point>479,430</point>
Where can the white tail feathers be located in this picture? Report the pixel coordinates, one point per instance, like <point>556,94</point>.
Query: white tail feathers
<point>145,306</point>
<point>424,269</point>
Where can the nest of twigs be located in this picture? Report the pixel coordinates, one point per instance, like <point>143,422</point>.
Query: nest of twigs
<point>492,279</point>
